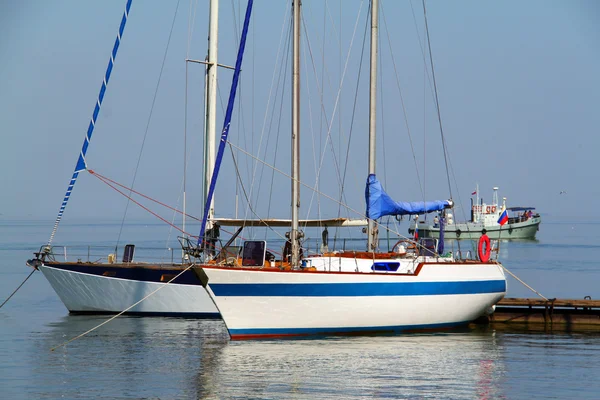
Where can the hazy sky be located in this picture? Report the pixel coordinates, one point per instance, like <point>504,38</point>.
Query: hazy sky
<point>518,88</point>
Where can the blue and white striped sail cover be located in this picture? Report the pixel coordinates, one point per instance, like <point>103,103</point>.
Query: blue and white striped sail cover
<point>380,204</point>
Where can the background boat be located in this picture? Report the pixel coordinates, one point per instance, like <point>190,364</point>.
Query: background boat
<point>523,222</point>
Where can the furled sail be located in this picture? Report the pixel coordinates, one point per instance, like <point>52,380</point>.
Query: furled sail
<point>226,123</point>
<point>81,165</point>
<point>380,204</point>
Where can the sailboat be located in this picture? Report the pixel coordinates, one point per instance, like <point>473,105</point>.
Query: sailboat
<point>115,284</point>
<point>412,287</point>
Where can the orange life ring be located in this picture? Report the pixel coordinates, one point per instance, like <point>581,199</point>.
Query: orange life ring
<point>487,210</point>
<point>484,256</point>
<point>493,209</point>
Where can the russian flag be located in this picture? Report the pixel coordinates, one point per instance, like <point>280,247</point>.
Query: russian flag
<point>503,218</point>
<point>474,193</point>
<point>416,237</point>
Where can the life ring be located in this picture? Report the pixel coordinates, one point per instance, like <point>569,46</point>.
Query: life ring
<point>484,256</point>
<point>487,210</point>
<point>493,209</point>
<point>458,232</point>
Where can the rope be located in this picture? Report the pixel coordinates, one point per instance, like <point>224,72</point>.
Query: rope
<point>143,207</point>
<point>526,285</point>
<point>121,313</point>
<point>103,178</point>
<point>22,283</point>
<point>107,180</point>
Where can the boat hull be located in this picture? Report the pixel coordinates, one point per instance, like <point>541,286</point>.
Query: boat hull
<point>264,304</point>
<point>90,293</point>
<point>520,230</point>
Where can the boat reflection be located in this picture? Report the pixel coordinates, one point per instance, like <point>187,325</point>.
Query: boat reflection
<point>451,365</point>
<point>130,357</point>
<point>189,358</point>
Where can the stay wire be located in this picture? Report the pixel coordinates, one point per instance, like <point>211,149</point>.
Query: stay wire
<point>22,283</point>
<point>162,67</point>
<point>278,129</point>
<point>396,75</point>
<point>252,169</point>
<point>352,120</point>
<point>340,203</point>
<point>106,180</point>
<point>130,199</point>
<point>329,140</point>
<point>437,102</point>
<point>245,193</point>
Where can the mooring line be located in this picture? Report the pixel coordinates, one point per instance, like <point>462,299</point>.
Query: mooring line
<point>526,285</point>
<point>22,283</point>
<point>121,313</point>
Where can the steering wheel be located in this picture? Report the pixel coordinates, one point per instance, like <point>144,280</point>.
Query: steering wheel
<point>409,246</point>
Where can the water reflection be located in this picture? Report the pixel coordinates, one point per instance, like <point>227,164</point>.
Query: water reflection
<point>168,358</point>
<point>455,365</point>
<point>129,357</point>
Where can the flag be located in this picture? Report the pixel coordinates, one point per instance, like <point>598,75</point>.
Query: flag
<point>474,193</point>
<point>416,231</point>
<point>503,218</point>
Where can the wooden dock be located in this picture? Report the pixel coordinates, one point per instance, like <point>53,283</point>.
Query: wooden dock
<point>551,315</point>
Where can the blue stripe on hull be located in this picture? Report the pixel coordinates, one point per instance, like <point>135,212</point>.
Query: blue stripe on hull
<point>266,333</point>
<point>358,289</point>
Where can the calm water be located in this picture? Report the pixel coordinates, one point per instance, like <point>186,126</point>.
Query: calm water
<point>183,358</point>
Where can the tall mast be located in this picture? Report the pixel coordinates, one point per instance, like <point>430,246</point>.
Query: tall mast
<point>211,104</point>
<point>371,242</point>
<point>295,133</point>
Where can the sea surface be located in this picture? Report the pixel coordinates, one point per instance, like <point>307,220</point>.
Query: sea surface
<point>174,358</point>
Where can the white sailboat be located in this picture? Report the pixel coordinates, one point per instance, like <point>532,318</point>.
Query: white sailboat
<point>349,292</point>
<point>111,284</point>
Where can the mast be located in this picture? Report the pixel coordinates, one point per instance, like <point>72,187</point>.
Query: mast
<point>226,122</point>
<point>371,231</point>
<point>211,105</point>
<point>294,235</point>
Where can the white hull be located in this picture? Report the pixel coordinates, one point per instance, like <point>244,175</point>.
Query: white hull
<point>87,293</point>
<point>271,303</point>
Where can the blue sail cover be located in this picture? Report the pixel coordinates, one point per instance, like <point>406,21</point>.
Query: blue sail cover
<point>380,204</point>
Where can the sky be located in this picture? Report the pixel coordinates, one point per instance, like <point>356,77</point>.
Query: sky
<point>517,83</point>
